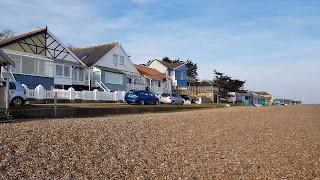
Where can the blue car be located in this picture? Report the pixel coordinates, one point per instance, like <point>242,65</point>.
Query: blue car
<point>141,97</point>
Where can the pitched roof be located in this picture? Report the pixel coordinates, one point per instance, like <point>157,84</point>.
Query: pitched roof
<point>172,65</point>
<point>262,93</point>
<point>21,36</point>
<point>150,72</point>
<point>91,55</point>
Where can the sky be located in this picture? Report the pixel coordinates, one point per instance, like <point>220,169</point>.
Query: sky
<point>273,45</point>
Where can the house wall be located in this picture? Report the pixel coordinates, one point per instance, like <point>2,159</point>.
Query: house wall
<point>114,87</point>
<point>33,81</point>
<point>181,75</point>
<point>107,61</point>
<point>158,66</point>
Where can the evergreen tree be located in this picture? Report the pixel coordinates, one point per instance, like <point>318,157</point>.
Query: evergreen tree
<point>226,84</point>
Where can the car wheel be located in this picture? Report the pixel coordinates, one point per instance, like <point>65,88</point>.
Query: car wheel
<point>142,102</point>
<point>17,101</point>
<point>182,102</point>
<point>172,102</point>
<point>157,102</point>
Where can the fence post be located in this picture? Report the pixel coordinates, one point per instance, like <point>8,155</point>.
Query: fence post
<point>71,93</point>
<point>95,95</point>
<point>123,95</point>
<point>39,92</point>
<point>115,95</point>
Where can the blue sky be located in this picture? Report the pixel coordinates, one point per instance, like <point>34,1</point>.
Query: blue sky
<point>273,45</point>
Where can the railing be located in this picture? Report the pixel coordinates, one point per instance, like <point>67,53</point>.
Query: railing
<point>4,76</point>
<point>40,93</point>
<point>135,86</point>
<point>104,87</point>
<point>156,90</point>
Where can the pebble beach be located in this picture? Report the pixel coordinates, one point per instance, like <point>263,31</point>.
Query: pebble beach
<point>281,142</point>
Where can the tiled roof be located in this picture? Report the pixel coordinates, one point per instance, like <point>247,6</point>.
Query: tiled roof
<point>150,72</point>
<point>13,38</point>
<point>91,55</point>
<point>171,65</point>
<point>262,93</point>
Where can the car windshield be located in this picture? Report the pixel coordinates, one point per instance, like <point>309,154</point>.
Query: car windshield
<point>165,95</point>
<point>133,92</point>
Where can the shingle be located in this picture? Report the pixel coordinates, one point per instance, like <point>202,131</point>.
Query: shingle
<point>91,55</point>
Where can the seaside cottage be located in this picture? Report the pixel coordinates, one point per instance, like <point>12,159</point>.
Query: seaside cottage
<point>110,67</point>
<point>177,71</point>
<point>41,58</point>
<point>155,81</point>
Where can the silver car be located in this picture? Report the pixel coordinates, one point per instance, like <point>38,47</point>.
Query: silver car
<point>17,93</point>
<point>171,98</point>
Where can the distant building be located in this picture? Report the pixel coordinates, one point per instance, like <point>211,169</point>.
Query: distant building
<point>177,71</point>
<point>267,98</point>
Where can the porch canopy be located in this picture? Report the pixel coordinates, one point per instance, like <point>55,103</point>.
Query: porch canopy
<point>5,61</point>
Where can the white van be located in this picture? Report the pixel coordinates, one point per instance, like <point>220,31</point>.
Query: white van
<point>234,97</point>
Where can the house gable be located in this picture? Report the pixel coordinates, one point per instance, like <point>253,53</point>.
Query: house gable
<point>158,66</point>
<point>108,61</point>
<point>40,42</point>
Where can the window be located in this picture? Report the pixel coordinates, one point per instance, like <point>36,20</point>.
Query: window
<point>59,70</point>
<point>77,74</point>
<point>159,84</point>
<point>31,65</point>
<point>246,97</point>
<point>62,70</point>
<point>66,71</point>
<point>113,78</point>
<point>28,65</point>
<point>121,60</point>
<point>80,74</point>
<point>17,61</point>
<point>115,59</point>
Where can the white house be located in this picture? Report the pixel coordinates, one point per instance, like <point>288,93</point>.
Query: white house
<point>110,66</point>
<point>155,81</point>
<point>177,71</point>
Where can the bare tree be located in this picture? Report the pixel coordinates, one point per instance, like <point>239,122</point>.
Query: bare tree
<point>7,33</point>
<point>72,47</point>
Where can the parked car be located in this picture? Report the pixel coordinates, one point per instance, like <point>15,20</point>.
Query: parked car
<point>141,97</point>
<point>17,93</point>
<point>171,98</point>
<point>188,98</point>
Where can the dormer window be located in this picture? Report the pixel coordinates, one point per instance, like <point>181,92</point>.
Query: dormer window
<point>115,59</point>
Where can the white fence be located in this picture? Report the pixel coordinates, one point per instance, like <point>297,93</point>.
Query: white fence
<point>40,93</point>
